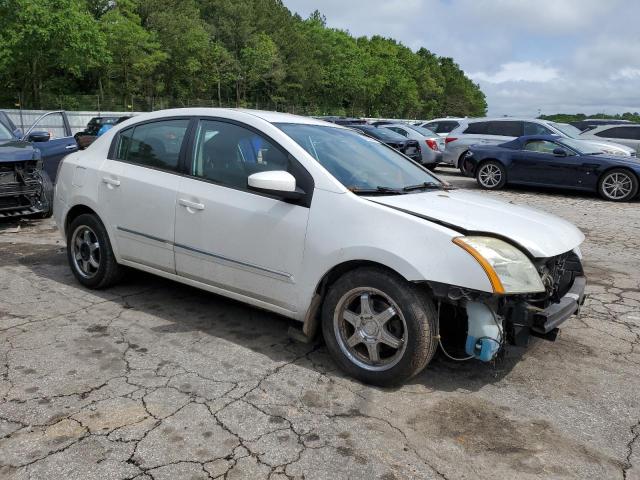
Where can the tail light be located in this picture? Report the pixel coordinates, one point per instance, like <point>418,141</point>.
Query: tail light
<point>432,144</point>
<point>448,140</point>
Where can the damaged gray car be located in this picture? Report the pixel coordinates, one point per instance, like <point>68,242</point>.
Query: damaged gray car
<point>25,188</point>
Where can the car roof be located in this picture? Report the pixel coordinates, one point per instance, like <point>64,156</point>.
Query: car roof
<point>271,117</point>
<point>507,119</point>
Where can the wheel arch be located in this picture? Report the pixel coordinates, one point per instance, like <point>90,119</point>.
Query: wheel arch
<point>74,212</point>
<point>617,167</point>
<point>311,320</point>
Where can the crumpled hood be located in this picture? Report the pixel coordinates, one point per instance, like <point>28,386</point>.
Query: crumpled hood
<point>15,150</point>
<point>542,234</point>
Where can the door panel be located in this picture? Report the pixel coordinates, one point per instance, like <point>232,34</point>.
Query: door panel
<point>139,191</point>
<point>228,236</point>
<point>61,141</point>
<point>539,165</point>
<point>242,242</point>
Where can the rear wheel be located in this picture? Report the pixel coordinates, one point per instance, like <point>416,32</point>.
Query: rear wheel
<point>491,175</point>
<point>618,185</point>
<point>90,254</point>
<point>463,164</point>
<point>379,328</point>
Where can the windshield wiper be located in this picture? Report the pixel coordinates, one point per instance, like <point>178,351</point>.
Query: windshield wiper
<point>423,186</point>
<point>376,191</point>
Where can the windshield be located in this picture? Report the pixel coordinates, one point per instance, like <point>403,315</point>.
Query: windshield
<point>423,131</point>
<point>569,130</point>
<point>356,161</point>
<point>5,134</point>
<point>581,146</point>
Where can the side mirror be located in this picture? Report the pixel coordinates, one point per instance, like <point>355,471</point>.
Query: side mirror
<point>559,152</point>
<point>275,182</point>
<point>39,137</point>
<point>18,133</point>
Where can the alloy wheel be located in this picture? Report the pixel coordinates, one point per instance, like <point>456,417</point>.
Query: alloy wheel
<point>86,251</point>
<point>489,175</point>
<point>617,185</point>
<point>370,329</point>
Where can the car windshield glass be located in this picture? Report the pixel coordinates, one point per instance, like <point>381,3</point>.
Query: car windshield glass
<point>359,162</point>
<point>569,130</point>
<point>383,134</point>
<point>5,134</point>
<point>581,146</point>
<point>423,131</point>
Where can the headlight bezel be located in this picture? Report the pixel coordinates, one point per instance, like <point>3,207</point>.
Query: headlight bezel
<point>509,270</point>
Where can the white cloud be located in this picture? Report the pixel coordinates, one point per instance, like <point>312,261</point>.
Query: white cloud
<point>527,55</point>
<point>626,74</point>
<point>518,72</point>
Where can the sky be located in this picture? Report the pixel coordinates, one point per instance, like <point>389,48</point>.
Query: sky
<point>528,56</point>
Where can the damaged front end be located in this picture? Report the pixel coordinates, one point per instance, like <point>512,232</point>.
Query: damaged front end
<point>25,189</point>
<point>483,324</point>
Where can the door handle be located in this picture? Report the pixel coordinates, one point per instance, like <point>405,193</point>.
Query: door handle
<point>189,204</point>
<point>111,181</point>
<point>70,147</point>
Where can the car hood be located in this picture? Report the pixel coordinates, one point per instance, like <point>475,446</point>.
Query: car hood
<point>604,145</point>
<point>13,150</point>
<point>541,234</point>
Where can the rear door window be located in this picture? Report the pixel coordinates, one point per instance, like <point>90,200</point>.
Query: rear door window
<point>625,133</point>
<point>505,128</point>
<point>477,128</point>
<point>155,144</point>
<point>446,127</point>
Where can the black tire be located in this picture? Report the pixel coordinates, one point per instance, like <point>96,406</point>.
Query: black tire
<point>494,166</point>
<point>626,180</point>
<point>47,191</point>
<point>108,271</point>
<point>431,166</point>
<point>417,313</point>
<point>462,164</point>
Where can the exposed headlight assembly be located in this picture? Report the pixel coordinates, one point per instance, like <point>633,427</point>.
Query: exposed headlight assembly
<point>509,270</point>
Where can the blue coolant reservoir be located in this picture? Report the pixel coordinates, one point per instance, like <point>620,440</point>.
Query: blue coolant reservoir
<point>484,335</point>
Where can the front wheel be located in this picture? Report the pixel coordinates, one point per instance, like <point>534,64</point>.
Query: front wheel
<point>378,327</point>
<point>618,185</point>
<point>491,175</point>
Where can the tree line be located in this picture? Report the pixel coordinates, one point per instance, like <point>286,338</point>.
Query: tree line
<point>252,53</point>
<point>576,117</point>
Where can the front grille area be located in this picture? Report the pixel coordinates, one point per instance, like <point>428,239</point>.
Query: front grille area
<point>557,274</point>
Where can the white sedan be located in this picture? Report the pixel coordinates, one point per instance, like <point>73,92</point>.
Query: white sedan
<point>320,224</point>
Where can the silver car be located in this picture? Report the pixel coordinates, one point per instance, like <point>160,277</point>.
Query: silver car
<point>431,144</point>
<point>499,130</point>
<point>628,135</point>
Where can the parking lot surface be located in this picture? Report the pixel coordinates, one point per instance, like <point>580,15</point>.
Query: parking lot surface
<point>156,380</point>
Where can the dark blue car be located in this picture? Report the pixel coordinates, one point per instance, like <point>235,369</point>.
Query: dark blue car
<point>551,161</point>
<point>25,188</point>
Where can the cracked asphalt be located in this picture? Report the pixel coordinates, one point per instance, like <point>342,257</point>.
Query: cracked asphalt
<point>156,380</point>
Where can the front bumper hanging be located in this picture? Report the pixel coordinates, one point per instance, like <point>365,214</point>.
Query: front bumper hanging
<point>526,319</point>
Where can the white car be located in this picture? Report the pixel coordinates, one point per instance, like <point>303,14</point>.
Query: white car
<point>321,224</point>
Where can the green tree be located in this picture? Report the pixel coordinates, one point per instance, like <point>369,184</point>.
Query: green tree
<point>46,39</point>
<point>134,55</point>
